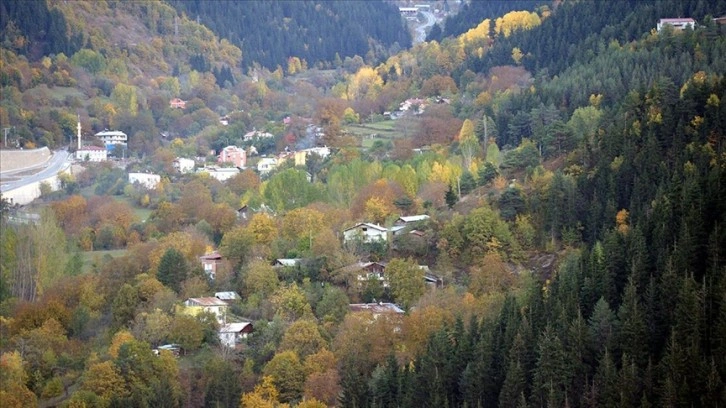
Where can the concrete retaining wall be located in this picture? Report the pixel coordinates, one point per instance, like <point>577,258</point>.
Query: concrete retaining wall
<point>16,160</point>
<point>26,194</point>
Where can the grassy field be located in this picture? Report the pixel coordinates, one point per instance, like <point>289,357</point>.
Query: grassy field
<point>92,257</point>
<point>369,133</point>
<point>142,213</point>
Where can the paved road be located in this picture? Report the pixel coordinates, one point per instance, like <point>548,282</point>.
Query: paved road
<point>421,30</point>
<point>59,160</point>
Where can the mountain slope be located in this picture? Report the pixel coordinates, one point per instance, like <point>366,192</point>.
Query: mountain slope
<point>270,32</point>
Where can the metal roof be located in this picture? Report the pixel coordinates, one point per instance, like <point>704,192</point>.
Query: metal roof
<point>204,301</point>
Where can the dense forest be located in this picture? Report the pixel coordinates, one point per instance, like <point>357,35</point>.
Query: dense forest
<point>319,33</point>
<point>476,11</point>
<point>569,157</point>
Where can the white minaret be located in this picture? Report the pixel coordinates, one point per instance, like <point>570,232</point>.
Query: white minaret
<point>79,132</point>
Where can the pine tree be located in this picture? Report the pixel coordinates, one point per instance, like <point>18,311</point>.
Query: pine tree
<point>629,385</point>
<point>451,197</point>
<point>514,385</point>
<point>632,336</point>
<point>602,328</point>
<point>606,379</point>
<point>551,375</point>
<point>173,269</point>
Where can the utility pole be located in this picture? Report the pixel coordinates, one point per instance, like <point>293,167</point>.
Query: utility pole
<point>6,135</point>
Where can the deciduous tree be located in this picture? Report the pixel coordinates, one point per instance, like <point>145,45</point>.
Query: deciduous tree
<point>287,375</point>
<point>406,280</point>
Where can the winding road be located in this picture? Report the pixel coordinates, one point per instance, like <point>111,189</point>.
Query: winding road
<point>421,30</point>
<point>57,163</point>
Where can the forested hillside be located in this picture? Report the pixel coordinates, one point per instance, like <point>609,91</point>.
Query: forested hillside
<point>474,12</point>
<point>318,33</point>
<point>529,213</point>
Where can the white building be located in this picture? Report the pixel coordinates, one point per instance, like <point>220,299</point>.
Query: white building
<point>92,154</point>
<point>195,306</point>
<point>266,165</point>
<point>220,173</point>
<point>677,23</point>
<point>227,296</point>
<point>405,220</point>
<point>366,232</point>
<point>113,138</point>
<point>257,134</point>
<point>146,180</point>
<point>183,165</point>
<point>230,334</point>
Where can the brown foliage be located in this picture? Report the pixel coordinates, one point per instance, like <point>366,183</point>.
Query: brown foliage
<point>329,114</point>
<point>369,338</point>
<point>324,386</point>
<point>29,316</point>
<point>71,214</point>
<point>384,190</point>
<point>434,192</point>
<point>438,85</point>
<point>246,180</point>
<point>438,125</point>
<point>507,77</point>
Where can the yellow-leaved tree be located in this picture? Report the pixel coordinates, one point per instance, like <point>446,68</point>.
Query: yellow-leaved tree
<point>468,143</point>
<point>364,84</point>
<point>516,20</point>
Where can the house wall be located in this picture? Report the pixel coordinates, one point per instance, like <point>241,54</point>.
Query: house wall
<point>149,181</point>
<point>220,312</point>
<point>370,235</point>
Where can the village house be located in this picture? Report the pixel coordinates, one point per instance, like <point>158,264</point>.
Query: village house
<point>231,334</point>
<point>376,309</point>
<point>220,173</point>
<point>362,272</point>
<point>195,306</point>
<point>183,165</point>
<point>365,271</point>
<point>243,212</point>
<point>411,219</point>
<point>113,138</point>
<point>210,264</point>
<point>92,154</point>
<point>302,155</point>
<point>228,296</point>
<point>234,155</point>
<point>366,232</point>
<point>177,103</point>
<point>286,262</point>
<point>266,165</point>
<point>256,134</point>
<point>147,180</point>
<point>677,23</point>
<point>400,225</point>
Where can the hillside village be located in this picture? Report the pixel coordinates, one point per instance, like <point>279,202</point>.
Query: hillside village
<point>466,203</point>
